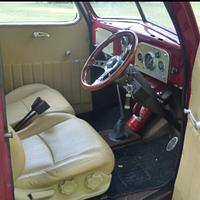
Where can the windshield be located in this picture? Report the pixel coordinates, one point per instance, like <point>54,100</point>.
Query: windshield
<point>106,9</point>
<point>156,13</point>
<point>153,12</point>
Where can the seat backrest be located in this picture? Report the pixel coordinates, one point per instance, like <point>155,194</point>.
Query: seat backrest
<point>17,155</point>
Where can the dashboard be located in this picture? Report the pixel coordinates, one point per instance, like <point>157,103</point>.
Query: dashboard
<point>158,54</point>
<point>152,61</point>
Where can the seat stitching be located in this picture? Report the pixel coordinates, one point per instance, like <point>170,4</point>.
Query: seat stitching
<point>25,105</point>
<point>47,170</point>
<point>47,147</point>
<point>45,129</point>
<point>28,96</point>
<point>34,92</point>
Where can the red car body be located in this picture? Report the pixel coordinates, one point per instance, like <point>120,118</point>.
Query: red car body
<point>185,22</point>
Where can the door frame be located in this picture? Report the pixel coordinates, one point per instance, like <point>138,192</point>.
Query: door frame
<point>6,179</point>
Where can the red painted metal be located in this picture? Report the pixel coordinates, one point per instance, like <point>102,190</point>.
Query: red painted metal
<point>156,85</point>
<point>6,190</point>
<point>186,21</point>
<point>166,196</point>
<point>159,37</point>
<point>146,33</point>
<point>184,16</point>
<point>137,121</point>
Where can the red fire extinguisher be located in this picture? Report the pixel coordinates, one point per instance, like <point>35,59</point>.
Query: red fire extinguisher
<point>140,115</point>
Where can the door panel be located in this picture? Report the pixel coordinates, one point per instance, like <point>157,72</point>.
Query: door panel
<point>44,60</point>
<point>188,179</point>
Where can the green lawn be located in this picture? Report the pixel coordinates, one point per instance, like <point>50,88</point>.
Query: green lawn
<point>154,11</point>
<point>196,9</point>
<point>65,11</point>
<point>40,11</point>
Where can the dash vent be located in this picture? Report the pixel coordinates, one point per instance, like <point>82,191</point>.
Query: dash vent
<point>156,37</point>
<point>152,35</point>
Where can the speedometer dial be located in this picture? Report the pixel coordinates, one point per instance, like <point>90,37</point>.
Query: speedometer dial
<point>149,61</point>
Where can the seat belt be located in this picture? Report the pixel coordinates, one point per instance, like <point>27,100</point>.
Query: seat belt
<point>38,107</point>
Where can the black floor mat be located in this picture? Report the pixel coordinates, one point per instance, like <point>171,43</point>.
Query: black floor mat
<point>104,119</point>
<point>140,167</point>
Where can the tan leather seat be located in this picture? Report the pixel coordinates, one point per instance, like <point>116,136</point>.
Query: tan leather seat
<point>61,156</point>
<point>19,101</point>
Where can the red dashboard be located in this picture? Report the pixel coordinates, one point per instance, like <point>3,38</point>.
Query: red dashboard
<point>150,36</point>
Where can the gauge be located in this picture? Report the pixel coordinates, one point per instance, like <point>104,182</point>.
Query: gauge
<point>161,65</point>
<point>149,61</point>
<point>140,57</point>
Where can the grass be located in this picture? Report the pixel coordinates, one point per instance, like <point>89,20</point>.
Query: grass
<point>65,11</point>
<point>196,9</point>
<point>155,11</point>
<point>36,12</point>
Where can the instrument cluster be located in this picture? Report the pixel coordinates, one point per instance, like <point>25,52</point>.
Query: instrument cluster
<point>152,61</point>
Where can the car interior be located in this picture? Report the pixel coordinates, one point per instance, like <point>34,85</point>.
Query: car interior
<point>110,122</point>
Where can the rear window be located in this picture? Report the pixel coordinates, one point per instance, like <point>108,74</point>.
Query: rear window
<point>37,11</point>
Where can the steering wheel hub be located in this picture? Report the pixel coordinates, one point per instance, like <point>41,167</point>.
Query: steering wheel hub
<point>112,62</point>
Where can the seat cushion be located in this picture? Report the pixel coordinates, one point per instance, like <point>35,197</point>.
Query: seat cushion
<point>19,101</point>
<point>61,151</point>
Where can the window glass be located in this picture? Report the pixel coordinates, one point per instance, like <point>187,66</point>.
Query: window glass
<point>115,9</point>
<point>155,12</point>
<point>41,11</point>
<point>196,9</point>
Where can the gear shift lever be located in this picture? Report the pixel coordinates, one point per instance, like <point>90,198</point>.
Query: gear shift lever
<point>119,132</point>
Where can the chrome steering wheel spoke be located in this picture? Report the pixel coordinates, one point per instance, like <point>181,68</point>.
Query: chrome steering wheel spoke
<point>109,66</point>
<point>101,78</point>
<point>125,52</point>
<point>100,64</point>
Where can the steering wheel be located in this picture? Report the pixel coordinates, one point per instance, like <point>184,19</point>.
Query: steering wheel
<point>114,66</point>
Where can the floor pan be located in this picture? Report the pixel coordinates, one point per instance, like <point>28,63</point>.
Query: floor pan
<point>142,166</point>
